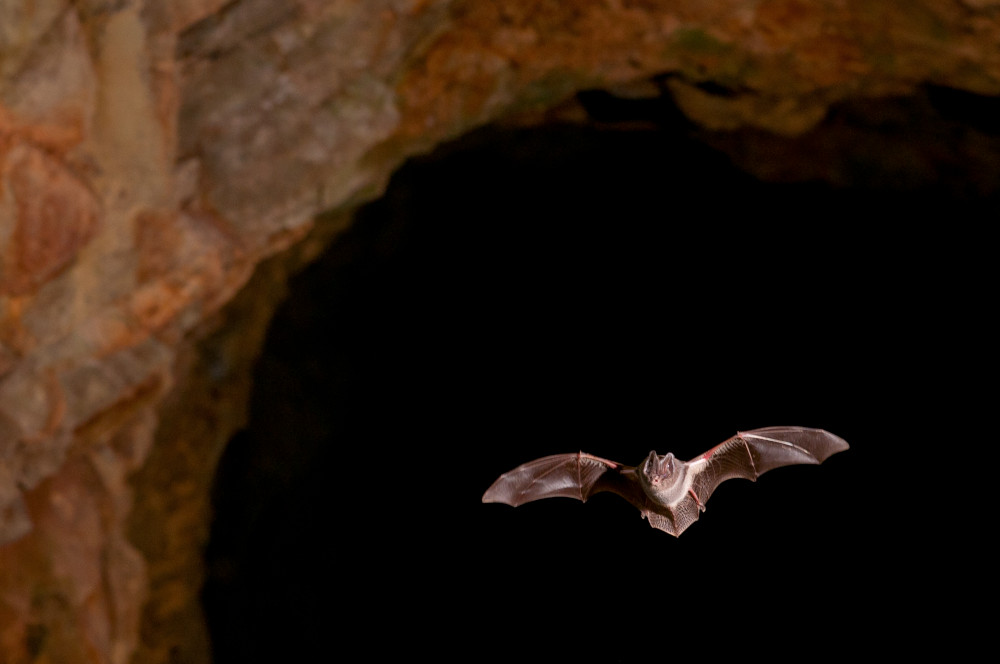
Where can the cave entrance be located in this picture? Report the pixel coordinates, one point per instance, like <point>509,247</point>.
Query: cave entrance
<point>520,292</point>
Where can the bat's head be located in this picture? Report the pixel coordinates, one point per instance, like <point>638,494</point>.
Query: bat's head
<point>658,474</point>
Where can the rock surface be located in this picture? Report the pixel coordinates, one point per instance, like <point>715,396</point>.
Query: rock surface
<point>154,154</point>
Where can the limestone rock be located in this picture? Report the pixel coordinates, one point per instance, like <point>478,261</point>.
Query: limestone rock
<point>54,216</point>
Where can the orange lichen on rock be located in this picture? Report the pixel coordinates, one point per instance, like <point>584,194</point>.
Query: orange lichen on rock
<point>57,603</point>
<point>54,215</point>
<point>492,56</point>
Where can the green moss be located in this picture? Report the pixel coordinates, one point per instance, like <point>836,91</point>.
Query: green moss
<point>701,56</point>
<point>698,41</point>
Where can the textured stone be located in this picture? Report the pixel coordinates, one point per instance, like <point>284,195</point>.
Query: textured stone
<point>55,85</point>
<point>54,216</point>
<point>22,26</point>
<point>14,513</point>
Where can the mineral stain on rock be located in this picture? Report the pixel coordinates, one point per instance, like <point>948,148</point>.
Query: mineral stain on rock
<point>55,214</point>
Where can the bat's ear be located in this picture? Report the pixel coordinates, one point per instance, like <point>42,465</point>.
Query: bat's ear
<point>648,466</point>
<point>657,472</point>
<point>659,465</point>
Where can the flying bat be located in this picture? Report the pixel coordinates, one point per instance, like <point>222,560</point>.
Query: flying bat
<point>670,493</point>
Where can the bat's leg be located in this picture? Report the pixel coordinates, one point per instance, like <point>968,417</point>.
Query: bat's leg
<point>701,507</point>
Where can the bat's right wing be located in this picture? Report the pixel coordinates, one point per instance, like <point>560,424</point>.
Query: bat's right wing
<point>576,475</point>
<point>750,454</point>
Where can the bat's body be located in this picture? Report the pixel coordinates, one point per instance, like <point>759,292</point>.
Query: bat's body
<point>670,493</point>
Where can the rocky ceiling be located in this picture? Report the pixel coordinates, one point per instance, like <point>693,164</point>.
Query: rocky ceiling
<point>165,166</point>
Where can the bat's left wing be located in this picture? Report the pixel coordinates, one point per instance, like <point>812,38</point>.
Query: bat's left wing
<point>750,454</point>
<point>577,475</point>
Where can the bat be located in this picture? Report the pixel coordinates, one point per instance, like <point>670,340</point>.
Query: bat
<point>669,493</point>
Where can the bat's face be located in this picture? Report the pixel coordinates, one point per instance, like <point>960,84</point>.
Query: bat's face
<point>660,476</point>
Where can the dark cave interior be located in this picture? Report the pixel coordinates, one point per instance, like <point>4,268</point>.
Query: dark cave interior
<point>530,291</point>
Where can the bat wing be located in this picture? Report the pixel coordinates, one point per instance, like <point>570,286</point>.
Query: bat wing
<point>578,475</point>
<point>750,454</point>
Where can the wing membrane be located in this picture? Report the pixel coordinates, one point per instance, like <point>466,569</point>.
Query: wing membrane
<point>577,475</point>
<point>750,454</point>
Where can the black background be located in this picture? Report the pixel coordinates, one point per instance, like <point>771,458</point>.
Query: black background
<point>530,292</point>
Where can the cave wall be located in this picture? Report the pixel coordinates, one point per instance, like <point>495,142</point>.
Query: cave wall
<point>154,155</point>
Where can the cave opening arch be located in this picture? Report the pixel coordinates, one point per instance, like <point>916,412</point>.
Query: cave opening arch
<point>523,291</point>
